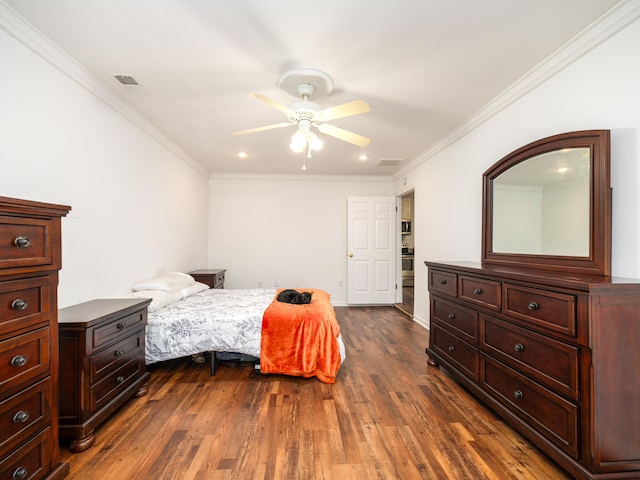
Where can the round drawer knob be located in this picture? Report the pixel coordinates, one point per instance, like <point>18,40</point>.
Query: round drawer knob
<point>21,417</point>
<point>518,394</point>
<point>533,306</point>
<point>518,347</point>
<point>477,291</point>
<point>443,282</point>
<point>121,326</point>
<point>19,361</point>
<point>20,473</point>
<point>19,304</point>
<point>451,316</point>
<point>119,353</point>
<point>120,380</point>
<point>452,349</point>
<point>22,242</point>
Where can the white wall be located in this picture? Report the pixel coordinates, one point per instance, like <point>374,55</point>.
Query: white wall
<point>137,209</point>
<point>286,230</point>
<point>600,90</point>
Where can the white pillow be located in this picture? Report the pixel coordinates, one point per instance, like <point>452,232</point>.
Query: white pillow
<point>159,298</point>
<point>167,282</point>
<point>193,289</point>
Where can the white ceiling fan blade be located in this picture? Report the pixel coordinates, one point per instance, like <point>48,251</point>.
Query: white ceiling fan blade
<point>343,134</point>
<point>260,129</point>
<point>345,110</point>
<point>272,103</point>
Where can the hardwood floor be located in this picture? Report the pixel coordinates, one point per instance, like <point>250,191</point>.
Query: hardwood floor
<point>388,416</point>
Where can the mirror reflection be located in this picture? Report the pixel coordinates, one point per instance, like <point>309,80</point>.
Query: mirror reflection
<point>541,206</point>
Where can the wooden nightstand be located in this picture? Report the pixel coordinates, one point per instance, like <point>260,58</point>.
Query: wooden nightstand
<point>102,363</point>
<point>214,277</point>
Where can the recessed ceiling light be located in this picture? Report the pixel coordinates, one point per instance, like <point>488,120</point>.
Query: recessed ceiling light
<point>362,157</point>
<point>562,169</point>
<point>243,154</point>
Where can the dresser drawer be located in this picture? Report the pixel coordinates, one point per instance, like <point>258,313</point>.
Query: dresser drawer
<point>549,361</point>
<point>116,383</point>
<point>25,242</point>
<point>23,303</point>
<point>550,310</point>
<point>31,461</point>
<point>550,414</point>
<point>24,358</point>
<point>218,281</point>
<point>443,282</point>
<point>25,413</point>
<point>461,321</point>
<point>459,353</point>
<point>111,358</point>
<point>110,332</point>
<point>480,291</point>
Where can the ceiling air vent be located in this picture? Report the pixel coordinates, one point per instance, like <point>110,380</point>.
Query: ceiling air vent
<point>126,79</point>
<point>388,162</point>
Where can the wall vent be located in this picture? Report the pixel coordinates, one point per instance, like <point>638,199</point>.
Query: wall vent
<point>125,79</point>
<point>388,162</point>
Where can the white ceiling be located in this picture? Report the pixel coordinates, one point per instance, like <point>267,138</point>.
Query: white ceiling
<point>423,66</point>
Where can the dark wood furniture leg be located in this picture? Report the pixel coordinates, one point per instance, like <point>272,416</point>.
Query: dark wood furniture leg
<point>212,363</point>
<point>78,445</point>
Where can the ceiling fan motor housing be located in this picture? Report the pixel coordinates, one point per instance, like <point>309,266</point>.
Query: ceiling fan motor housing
<point>303,111</point>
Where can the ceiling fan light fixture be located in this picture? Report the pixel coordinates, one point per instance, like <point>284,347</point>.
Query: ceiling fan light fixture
<point>314,142</point>
<point>299,141</point>
<point>305,140</point>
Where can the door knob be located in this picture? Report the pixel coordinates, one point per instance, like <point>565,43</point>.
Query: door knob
<point>350,255</point>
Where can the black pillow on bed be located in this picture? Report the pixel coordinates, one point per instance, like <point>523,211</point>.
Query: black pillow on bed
<point>294,296</point>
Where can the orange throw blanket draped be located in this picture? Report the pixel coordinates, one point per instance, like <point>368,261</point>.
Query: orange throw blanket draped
<point>301,340</point>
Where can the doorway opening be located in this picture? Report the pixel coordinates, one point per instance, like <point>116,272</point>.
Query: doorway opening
<point>407,216</point>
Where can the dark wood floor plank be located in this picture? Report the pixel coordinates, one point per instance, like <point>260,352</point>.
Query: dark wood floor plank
<point>388,416</point>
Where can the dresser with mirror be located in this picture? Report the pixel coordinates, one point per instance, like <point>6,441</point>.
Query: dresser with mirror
<point>539,330</point>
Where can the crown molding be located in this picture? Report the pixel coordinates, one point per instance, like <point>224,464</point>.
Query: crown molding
<point>270,177</point>
<point>17,27</point>
<point>608,24</point>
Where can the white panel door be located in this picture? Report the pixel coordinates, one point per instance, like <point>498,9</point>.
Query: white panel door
<point>371,270</point>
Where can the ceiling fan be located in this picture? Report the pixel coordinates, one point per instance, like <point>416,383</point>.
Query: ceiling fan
<point>305,83</point>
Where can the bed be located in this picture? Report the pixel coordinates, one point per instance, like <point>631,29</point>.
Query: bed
<point>223,321</point>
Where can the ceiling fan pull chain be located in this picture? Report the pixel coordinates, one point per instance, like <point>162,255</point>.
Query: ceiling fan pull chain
<point>304,157</point>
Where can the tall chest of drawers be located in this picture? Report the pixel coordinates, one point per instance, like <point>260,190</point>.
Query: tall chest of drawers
<point>557,356</point>
<point>30,257</point>
<point>102,363</point>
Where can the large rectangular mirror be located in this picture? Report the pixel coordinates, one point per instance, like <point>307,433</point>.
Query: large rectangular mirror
<point>547,205</point>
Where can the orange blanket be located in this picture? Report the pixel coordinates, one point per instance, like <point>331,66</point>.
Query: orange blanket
<point>301,340</point>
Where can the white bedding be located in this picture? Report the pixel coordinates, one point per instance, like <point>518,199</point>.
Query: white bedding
<point>217,320</point>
